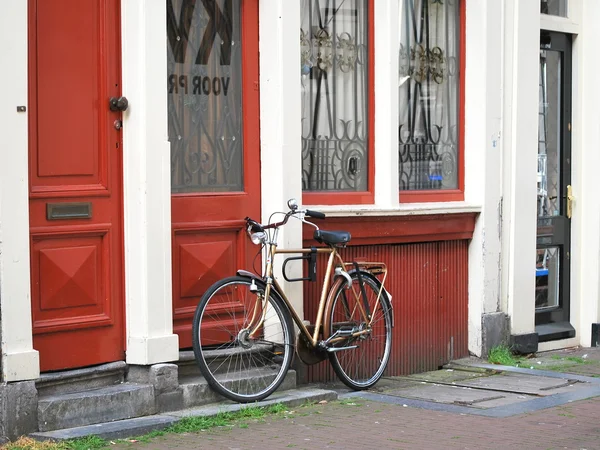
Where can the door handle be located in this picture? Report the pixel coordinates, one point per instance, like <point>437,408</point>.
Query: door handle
<point>118,104</point>
<point>570,199</point>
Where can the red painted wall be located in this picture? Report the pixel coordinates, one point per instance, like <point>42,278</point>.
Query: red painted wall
<point>428,282</point>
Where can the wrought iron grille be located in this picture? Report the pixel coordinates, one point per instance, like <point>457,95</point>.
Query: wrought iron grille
<point>334,68</point>
<point>205,95</point>
<point>429,94</point>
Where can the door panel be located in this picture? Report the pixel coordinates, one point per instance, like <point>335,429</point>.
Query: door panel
<point>75,163</point>
<point>213,103</point>
<point>554,176</point>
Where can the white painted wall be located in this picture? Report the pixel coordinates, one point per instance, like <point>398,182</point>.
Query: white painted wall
<point>520,115</point>
<point>19,360</point>
<point>147,185</point>
<point>280,132</point>
<point>483,158</point>
<point>585,265</point>
<point>387,45</point>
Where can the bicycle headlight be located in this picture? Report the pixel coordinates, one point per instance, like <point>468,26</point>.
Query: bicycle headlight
<point>258,237</point>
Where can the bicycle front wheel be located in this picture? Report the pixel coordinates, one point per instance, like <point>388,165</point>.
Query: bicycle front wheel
<point>360,360</point>
<point>242,341</point>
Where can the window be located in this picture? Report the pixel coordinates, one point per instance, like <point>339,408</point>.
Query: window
<point>205,96</point>
<point>554,7</point>
<point>430,92</point>
<point>337,107</point>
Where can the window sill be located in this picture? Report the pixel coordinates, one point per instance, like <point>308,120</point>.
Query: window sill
<point>412,223</point>
<point>408,209</point>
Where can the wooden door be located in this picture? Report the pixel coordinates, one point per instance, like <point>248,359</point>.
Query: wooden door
<point>75,160</point>
<point>214,133</point>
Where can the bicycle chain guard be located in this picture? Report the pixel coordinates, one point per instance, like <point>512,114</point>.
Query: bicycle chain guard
<point>308,354</point>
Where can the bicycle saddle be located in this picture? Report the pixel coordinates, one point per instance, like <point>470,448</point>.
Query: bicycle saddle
<point>331,237</point>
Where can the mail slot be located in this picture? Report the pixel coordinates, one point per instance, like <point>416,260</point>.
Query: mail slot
<point>65,211</point>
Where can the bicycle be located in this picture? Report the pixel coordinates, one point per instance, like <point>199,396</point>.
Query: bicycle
<point>243,329</point>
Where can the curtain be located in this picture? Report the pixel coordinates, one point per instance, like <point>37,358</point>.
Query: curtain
<point>334,73</point>
<point>428,88</point>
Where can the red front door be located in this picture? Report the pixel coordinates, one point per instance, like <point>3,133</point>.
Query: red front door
<point>75,161</point>
<point>213,107</point>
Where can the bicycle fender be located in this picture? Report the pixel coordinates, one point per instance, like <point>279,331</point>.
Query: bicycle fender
<point>248,274</point>
<point>374,278</point>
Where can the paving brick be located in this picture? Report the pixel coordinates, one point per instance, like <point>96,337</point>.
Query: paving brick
<point>369,424</point>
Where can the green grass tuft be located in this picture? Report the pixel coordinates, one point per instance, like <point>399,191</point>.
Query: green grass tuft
<point>277,408</point>
<point>87,443</point>
<point>502,355</point>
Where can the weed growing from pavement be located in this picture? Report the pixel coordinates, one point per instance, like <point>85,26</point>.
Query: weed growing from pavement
<point>87,443</point>
<point>349,402</point>
<point>503,355</point>
<point>575,359</point>
<point>566,363</point>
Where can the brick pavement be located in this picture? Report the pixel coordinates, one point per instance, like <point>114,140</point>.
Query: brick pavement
<point>368,424</point>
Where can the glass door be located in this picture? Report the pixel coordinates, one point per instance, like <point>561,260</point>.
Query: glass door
<point>554,189</point>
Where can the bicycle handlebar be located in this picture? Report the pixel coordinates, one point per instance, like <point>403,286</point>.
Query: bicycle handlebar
<point>315,214</point>
<point>260,227</point>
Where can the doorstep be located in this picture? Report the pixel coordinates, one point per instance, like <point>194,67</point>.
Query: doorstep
<point>142,425</point>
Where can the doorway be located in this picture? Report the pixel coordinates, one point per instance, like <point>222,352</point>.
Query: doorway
<point>75,183</point>
<point>213,108</point>
<point>552,294</point>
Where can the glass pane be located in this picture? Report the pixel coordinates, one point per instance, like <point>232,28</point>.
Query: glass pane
<point>554,7</point>
<point>546,278</point>
<point>205,95</point>
<point>429,94</point>
<point>548,177</point>
<point>335,95</point>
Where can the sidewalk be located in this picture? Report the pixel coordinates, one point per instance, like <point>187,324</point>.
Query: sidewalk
<point>373,425</point>
<point>469,404</point>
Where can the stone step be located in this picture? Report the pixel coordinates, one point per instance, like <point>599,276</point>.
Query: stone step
<point>197,392</point>
<point>187,363</point>
<point>257,355</point>
<point>104,404</point>
<point>79,380</point>
<point>135,427</point>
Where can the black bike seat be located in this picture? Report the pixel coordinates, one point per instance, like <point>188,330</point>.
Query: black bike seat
<point>332,237</point>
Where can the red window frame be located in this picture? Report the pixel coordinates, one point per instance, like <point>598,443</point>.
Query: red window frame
<point>449,195</point>
<point>368,196</point>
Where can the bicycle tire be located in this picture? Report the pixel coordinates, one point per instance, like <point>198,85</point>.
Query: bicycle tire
<point>240,367</point>
<point>361,367</point>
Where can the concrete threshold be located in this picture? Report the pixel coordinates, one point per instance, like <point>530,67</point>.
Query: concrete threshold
<point>141,425</point>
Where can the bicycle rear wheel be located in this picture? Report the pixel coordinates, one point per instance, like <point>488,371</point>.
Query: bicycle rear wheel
<point>241,360</point>
<point>365,358</point>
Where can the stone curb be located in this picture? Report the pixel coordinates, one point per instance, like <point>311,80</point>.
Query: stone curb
<point>142,425</point>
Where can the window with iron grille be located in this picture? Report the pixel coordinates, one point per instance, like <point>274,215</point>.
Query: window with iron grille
<point>335,74</point>
<point>429,98</point>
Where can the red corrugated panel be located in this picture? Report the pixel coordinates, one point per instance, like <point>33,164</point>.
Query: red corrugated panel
<point>428,284</point>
